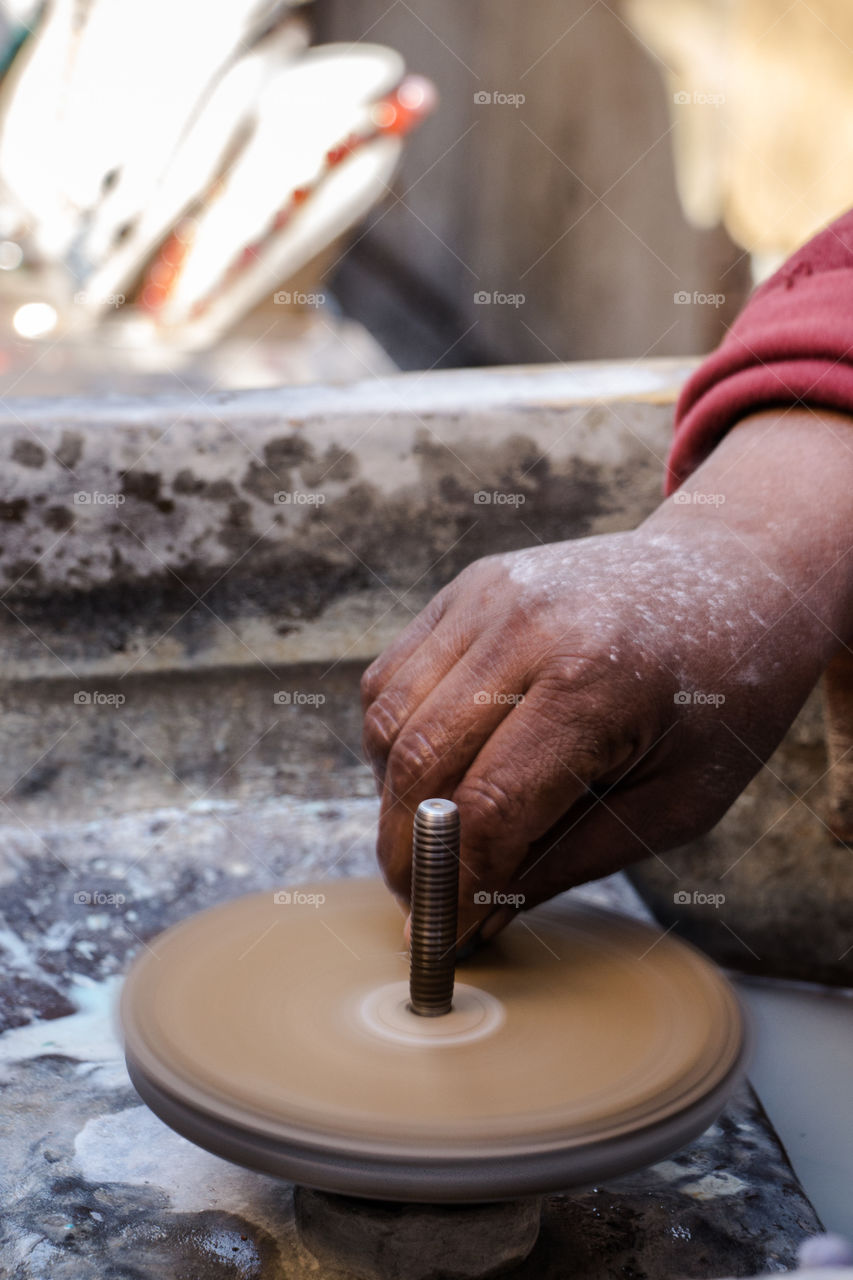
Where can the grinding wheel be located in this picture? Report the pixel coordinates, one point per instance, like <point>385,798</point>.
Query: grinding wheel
<point>278,1034</point>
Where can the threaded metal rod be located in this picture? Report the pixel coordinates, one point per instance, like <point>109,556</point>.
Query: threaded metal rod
<point>435,894</point>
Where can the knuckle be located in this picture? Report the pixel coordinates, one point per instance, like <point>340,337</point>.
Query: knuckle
<point>487,810</point>
<point>574,672</point>
<point>412,758</point>
<point>383,721</point>
<point>590,751</point>
<point>371,684</point>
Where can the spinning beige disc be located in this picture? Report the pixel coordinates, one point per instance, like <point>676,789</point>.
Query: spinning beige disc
<point>279,1034</point>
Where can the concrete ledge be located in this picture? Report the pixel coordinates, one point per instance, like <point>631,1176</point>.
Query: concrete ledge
<point>297,524</point>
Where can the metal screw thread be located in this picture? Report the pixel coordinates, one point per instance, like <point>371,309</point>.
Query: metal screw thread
<point>435,895</point>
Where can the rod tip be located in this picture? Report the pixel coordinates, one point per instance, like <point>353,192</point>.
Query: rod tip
<point>437,808</point>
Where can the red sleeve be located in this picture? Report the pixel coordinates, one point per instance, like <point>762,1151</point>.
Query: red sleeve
<point>791,344</point>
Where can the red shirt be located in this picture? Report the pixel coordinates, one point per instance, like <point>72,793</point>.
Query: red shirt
<point>791,344</point>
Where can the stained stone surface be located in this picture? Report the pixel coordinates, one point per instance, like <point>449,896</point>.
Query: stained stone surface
<point>94,1187</point>
<point>168,532</point>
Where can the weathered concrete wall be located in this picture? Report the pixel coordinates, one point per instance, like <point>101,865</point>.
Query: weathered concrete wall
<point>182,638</point>
<point>181,585</point>
<point>150,535</point>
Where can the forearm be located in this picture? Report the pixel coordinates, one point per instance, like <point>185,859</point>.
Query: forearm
<point>781,485</point>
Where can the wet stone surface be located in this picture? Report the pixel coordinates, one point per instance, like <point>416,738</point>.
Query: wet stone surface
<point>94,1187</point>
<point>377,1240</point>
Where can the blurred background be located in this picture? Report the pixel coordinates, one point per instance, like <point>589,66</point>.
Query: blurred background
<point>258,192</point>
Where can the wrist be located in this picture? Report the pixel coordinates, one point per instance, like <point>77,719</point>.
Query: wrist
<point>779,489</point>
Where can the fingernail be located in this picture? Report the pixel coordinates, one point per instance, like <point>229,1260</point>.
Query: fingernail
<point>490,926</point>
<point>495,922</point>
<point>467,948</point>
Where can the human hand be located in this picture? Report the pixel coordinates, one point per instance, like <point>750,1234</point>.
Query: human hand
<point>593,702</point>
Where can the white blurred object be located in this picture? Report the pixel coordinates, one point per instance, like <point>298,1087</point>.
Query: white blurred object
<point>761,101</point>
<point>35,319</point>
<point>185,155</point>
<point>812,1273</point>
<point>829,1250</point>
<point>824,1257</point>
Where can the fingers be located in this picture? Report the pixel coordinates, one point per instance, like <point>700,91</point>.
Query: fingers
<point>396,685</point>
<point>598,836</point>
<point>533,769</point>
<point>514,770</point>
<point>410,639</point>
<point>438,743</point>
<point>601,835</point>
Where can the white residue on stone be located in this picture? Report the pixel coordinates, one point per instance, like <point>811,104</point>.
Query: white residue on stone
<point>57,936</point>
<point>669,1170</point>
<point>87,1036</point>
<point>17,950</point>
<point>714,1185</point>
<point>133,1146</point>
<point>206,805</point>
